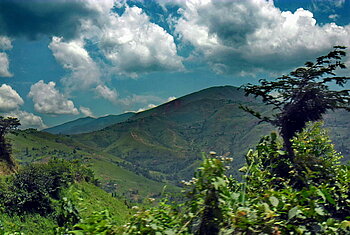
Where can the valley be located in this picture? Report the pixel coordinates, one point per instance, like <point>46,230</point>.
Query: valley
<point>138,156</point>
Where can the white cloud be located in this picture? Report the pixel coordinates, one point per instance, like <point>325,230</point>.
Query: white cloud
<point>247,36</point>
<point>146,99</point>
<point>47,99</point>
<point>326,5</point>
<point>5,43</point>
<point>4,65</point>
<point>150,106</point>
<point>74,57</point>
<point>10,102</point>
<point>171,98</point>
<point>113,96</point>
<point>100,6</point>
<point>135,45</point>
<point>27,120</point>
<point>333,16</point>
<point>9,99</point>
<point>107,93</point>
<point>139,99</point>
<point>86,111</point>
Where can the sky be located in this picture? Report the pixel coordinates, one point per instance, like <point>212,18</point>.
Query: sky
<point>65,59</point>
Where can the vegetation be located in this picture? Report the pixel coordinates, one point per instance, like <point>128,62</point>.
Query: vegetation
<point>303,95</point>
<point>167,141</point>
<point>41,197</point>
<point>33,187</point>
<point>293,185</point>
<point>263,203</point>
<point>314,199</point>
<point>7,125</point>
<point>115,176</point>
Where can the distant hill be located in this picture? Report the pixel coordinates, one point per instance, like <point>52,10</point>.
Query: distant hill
<point>88,124</point>
<point>115,175</point>
<point>170,138</point>
<point>166,142</point>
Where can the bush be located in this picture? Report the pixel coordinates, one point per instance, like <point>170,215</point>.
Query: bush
<point>264,202</point>
<point>32,189</point>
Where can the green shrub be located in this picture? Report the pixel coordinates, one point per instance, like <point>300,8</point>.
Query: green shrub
<point>264,202</point>
<point>32,188</point>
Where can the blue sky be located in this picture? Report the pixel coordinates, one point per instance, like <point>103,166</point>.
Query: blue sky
<point>61,60</point>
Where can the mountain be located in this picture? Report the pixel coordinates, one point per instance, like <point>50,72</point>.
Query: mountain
<point>166,143</point>
<point>170,138</point>
<point>88,124</point>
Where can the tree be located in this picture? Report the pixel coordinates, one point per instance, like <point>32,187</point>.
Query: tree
<point>302,96</point>
<point>6,125</point>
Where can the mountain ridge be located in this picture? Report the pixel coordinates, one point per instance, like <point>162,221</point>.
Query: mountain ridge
<point>166,142</point>
<point>170,138</point>
<point>87,124</point>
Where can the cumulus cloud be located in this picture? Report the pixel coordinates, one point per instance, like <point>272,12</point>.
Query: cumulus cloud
<point>10,102</point>
<point>74,57</point>
<point>107,93</point>
<point>27,120</point>
<point>247,36</point>
<point>4,65</point>
<point>135,45</point>
<point>112,96</point>
<point>32,19</point>
<point>47,99</point>
<point>86,111</point>
<point>9,99</point>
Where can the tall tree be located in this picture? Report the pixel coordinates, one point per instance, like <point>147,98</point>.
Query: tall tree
<point>303,95</point>
<point>6,125</point>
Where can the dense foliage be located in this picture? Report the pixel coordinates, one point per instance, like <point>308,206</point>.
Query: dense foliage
<point>303,95</point>
<point>263,203</point>
<point>34,187</point>
<point>6,125</point>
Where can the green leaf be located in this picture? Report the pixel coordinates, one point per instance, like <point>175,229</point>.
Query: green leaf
<point>274,201</point>
<point>293,212</point>
<point>345,224</point>
<point>329,198</point>
<point>169,232</point>
<point>321,194</point>
<point>243,169</point>
<point>219,182</point>
<point>319,211</point>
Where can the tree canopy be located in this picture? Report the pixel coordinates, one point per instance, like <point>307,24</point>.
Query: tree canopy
<point>6,125</point>
<point>303,95</point>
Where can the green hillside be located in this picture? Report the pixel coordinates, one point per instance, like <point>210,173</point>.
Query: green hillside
<point>85,197</point>
<point>135,159</point>
<point>88,124</point>
<point>116,175</point>
<point>169,139</point>
<point>165,143</point>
